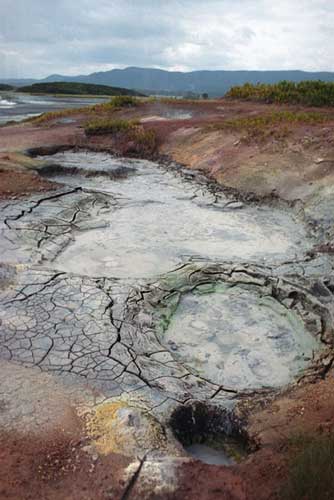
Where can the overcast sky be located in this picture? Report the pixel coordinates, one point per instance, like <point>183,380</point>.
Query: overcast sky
<point>41,37</point>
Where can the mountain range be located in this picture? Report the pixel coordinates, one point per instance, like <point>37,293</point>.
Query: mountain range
<point>150,80</point>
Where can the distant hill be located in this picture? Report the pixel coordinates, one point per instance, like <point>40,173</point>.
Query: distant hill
<point>75,88</point>
<point>17,82</point>
<point>215,83</point>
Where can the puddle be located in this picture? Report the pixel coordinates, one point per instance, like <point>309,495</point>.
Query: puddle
<point>210,434</point>
<point>161,220</point>
<point>209,455</point>
<point>239,339</point>
<point>168,115</point>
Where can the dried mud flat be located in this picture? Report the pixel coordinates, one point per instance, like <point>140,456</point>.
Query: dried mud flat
<point>116,283</point>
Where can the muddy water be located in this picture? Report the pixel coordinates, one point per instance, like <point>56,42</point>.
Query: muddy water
<point>246,341</point>
<point>209,455</point>
<point>161,220</point>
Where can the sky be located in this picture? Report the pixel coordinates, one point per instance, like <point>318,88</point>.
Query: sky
<point>43,37</point>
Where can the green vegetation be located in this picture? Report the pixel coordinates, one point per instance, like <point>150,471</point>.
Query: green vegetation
<point>100,126</point>
<point>145,142</point>
<point>308,93</point>
<point>117,102</point>
<point>123,101</point>
<point>54,115</point>
<point>131,137</point>
<point>274,125</point>
<point>6,87</point>
<point>311,472</point>
<point>73,88</point>
<point>275,118</point>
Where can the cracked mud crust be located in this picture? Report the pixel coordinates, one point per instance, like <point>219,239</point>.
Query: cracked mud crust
<point>111,362</point>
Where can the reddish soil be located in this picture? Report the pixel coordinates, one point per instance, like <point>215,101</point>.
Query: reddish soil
<point>305,410</point>
<point>12,184</point>
<point>294,167</point>
<point>56,468</point>
<point>27,135</point>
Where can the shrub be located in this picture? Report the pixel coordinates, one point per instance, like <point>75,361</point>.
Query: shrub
<point>144,142</point>
<point>100,126</point>
<point>117,102</point>
<point>123,101</point>
<point>311,471</point>
<point>131,138</point>
<point>312,93</point>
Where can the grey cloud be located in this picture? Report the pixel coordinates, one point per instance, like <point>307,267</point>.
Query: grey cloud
<point>42,36</point>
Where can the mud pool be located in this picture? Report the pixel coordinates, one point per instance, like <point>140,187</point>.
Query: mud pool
<point>239,338</point>
<point>160,220</point>
<point>147,283</point>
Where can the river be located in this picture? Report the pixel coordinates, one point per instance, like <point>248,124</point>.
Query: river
<point>16,106</point>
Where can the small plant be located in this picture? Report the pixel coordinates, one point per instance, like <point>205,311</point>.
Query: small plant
<point>117,102</point>
<point>123,101</point>
<point>311,470</point>
<point>100,126</point>
<point>130,137</point>
<point>144,142</point>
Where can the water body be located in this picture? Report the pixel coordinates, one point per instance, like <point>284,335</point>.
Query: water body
<point>209,455</point>
<point>17,107</point>
<point>159,220</point>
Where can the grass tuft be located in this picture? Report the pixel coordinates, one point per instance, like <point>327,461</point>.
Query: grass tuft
<point>123,101</point>
<point>144,142</point>
<point>101,126</point>
<point>131,137</point>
